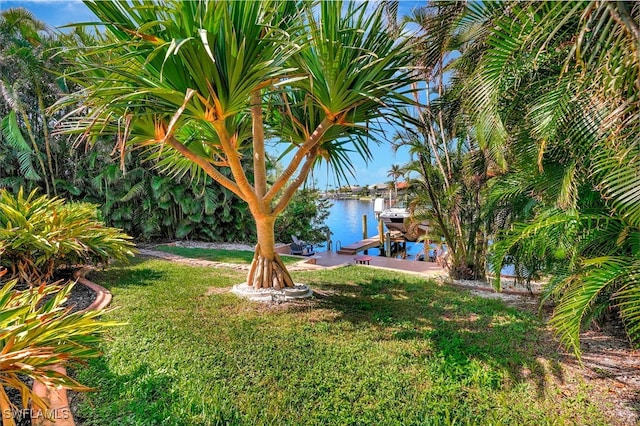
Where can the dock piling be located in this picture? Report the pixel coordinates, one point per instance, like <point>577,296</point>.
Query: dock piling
<point>364,231</point>
<point>388,244</point>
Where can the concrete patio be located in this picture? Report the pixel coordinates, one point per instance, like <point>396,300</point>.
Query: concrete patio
<point>332,259</point>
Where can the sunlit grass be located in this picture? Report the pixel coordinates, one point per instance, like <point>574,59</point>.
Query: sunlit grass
<point>379,348</point>
<point>219,255</point>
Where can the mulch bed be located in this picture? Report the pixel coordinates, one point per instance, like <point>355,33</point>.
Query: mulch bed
<point>80,297</point>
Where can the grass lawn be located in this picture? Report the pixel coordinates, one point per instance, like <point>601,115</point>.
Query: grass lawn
<point>380,348</point>
<point>219,255</point>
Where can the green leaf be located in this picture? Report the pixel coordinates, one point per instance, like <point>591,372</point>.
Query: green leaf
<point>13,135</point>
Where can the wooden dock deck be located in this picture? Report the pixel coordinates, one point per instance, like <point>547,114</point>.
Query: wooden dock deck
<point>360,245</point>
<point>369,243</point>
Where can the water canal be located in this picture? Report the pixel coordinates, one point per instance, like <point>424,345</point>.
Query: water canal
<point>345,222</point>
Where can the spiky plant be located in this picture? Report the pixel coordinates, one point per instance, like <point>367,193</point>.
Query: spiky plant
<point>40,234</point>
<point>37,334</point>
<point>206,85</point>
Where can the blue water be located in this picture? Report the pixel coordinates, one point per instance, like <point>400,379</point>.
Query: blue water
<point>345,222</point>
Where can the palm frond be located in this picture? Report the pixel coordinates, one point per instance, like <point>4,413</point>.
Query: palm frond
<point>22,150</point>
<point>601,275</point>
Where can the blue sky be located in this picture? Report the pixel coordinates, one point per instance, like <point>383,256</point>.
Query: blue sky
<point>54,12</point>
<point>61,12</point>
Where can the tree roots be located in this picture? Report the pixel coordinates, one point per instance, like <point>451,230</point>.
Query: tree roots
<point>266,273</point>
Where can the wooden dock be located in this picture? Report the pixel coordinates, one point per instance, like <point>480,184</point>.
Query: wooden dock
<point>368,243</point>
<point>360,246</point>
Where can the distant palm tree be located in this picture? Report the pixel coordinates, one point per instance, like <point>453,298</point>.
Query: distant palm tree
<point>394,173</point>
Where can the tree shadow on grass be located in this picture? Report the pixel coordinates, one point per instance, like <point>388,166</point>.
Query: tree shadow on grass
<point>124,275</point>
<point>462,329</point>
<point>146,396</point>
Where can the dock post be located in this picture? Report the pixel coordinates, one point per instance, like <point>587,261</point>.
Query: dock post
<point>364,230</point>
<point>388,245</point>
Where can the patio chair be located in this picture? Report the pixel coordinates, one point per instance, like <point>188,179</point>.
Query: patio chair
<point>296,249</point>
<point>306,249</point>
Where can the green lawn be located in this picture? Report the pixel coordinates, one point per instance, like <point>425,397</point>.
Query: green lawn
<point>219,255</point>
<point>380,348</point>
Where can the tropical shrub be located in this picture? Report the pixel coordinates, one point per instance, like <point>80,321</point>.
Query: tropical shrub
<point>40,234</point>
<point>545,97</point>
<point>150,205</point>
<point>38,334</point>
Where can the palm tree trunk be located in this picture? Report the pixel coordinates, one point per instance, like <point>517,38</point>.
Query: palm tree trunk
<point>267,269</point>
<point>45,132</point>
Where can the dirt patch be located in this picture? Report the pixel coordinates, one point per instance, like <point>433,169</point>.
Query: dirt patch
<point>611,367</point>
<point>211,291</point>
<point>324,294</point>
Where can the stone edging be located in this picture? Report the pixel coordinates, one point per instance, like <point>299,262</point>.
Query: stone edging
<point>57,397</point>
<point>103,296</point>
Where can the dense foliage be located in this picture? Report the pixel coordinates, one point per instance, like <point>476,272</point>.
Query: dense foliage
<point>28,151</point>
<point>38,234</point>
<point>565,106</point>
<point>132,195</point>
<point>305,218</point>
<point>548,99</point>
<point>151,205</point>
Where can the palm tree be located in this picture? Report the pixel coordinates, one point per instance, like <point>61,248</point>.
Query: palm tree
<point>449,158</point>
<point>22,43</point>
<point>394,173</point>
<point>545,93</point>
<point>203,86</point>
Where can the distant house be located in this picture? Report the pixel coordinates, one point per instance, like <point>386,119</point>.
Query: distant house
<point>382,189</point>
<point>402,188</point>
<point>379,190</point>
